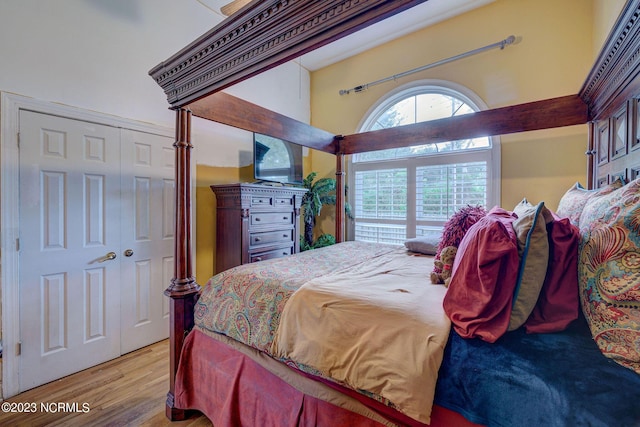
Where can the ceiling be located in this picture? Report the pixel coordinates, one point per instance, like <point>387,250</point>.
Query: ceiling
<point>420,16</point>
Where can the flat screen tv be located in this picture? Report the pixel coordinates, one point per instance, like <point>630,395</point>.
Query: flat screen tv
<point>276,160</point>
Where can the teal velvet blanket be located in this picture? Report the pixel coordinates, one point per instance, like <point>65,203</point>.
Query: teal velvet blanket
<point>555,379</point>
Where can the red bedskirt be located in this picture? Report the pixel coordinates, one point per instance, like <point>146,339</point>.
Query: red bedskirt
<point>232,389</point>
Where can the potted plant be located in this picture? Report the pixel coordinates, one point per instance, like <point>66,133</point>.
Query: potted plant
<point>321,192</point>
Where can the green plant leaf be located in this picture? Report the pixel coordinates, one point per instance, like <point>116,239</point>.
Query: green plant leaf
<point>321,192</point>
<point>324,240</point>
<point>309,179</point>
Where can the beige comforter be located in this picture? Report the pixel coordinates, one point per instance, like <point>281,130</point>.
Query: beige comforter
<point>379,327</point>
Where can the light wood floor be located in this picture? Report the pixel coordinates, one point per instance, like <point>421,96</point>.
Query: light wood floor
<point>128,391</point>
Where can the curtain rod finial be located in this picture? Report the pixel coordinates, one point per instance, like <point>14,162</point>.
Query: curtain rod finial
<point>360,88</point>
<point>509,40</point>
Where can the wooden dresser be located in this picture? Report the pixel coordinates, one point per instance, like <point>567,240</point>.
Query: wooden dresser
<point>256,222</point>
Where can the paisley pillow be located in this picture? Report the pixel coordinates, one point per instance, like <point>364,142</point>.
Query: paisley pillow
<point>574,200</point>
<point>609,272</point>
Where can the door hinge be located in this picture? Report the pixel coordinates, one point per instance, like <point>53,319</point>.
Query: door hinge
<point>19,348</point>
<point>18,245</point>
<point>18,139</point>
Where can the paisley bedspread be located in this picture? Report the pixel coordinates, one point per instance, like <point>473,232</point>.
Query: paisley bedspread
<point>245,302</point>
<point>362,315</point>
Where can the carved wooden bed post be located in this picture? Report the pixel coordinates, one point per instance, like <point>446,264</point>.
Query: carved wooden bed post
<point>183,289</point>
<point>591,157</point>
<point>340,188</point>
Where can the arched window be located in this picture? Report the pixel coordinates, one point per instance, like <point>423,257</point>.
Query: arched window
<point>411,191</point>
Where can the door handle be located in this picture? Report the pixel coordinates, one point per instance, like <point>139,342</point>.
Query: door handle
<point>108,257</point>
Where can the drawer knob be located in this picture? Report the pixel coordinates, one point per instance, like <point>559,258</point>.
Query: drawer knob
<point>285,253</point>
<point>285,217</point>
<point>257,219</point>
<point>257,239</point>
<point>258,258</point>
<point>285,235</point>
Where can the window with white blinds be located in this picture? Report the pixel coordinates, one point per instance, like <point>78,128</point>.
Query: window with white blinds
<point>383,194</point>
<point>443,189</point>
<point>411,191</point>
<point>381,205</point>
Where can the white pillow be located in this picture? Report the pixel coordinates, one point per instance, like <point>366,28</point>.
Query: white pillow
<point>427,245</point>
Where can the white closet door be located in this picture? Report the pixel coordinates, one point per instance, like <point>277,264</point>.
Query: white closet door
<point>147,237</point>
<point>69,233</point>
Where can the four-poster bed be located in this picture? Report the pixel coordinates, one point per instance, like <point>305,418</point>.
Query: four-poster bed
<point>265,34</point>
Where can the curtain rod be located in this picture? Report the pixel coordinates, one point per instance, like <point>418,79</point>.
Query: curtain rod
<point>501,44</point>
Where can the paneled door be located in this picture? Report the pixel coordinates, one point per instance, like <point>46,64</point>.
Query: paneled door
<point>148,188</point>
<point>94,245</point>
<point>69,242</point>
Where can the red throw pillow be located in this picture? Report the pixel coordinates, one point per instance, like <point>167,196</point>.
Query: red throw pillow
<point>484,275</point>
<point>558,303</point>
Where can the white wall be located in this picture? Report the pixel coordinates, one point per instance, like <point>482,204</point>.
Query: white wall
<point>96,55</point>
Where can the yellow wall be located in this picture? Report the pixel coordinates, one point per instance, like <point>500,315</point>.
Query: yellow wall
<point>205,211</point>
<point>552,59</point>
<point>605,13</point>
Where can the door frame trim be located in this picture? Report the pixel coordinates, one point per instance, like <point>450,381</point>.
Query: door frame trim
<point>10,106</point>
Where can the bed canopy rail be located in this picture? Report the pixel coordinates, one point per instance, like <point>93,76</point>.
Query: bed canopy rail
<point>260,36</point>
<point>550,113</point>
<point>546,114</point>
<point>230,110</point>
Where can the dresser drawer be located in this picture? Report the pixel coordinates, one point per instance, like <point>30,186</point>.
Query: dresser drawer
<point>261,201</point>
<point>271,218</point>
<point>275,253</point>
<point>265,201</point>
<point>268,237</point>
<point>283,201</point>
